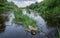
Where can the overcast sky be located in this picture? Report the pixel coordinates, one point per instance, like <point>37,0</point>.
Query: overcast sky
<point>24,3</point>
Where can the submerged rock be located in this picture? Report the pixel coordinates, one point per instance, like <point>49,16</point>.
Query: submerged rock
<point>32,30</point>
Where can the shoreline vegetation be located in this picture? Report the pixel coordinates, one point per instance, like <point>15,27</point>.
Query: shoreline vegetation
<point>6,6</point>
<point>50,11</point>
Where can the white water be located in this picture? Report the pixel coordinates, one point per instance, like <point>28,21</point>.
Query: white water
<point>40,21</point>
<point>10,17</point>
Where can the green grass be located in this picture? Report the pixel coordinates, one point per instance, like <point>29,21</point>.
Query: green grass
<point>24,19</point>
<point>59,32</point>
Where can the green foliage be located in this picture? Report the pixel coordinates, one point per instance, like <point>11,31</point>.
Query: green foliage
<point>3,1</point>
<point>50,11</point>
<point>3,9</point>
<point>2,6</point>
<point>59,32</point>
<point>5,6</point>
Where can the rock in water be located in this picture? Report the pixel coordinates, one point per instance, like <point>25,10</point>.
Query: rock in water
<point>32,30</point>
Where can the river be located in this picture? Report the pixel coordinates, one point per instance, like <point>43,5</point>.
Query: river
<point>12,30</point>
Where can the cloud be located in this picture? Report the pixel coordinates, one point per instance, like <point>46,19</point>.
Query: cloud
<point>26,0</point>
<point>39,0</point>
<point>21,0</point>
<point>24,3</point>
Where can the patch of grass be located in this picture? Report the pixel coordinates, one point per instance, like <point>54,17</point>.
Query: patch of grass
<point>24,19</point>
<point>59,35</point>
<point>59,32</point>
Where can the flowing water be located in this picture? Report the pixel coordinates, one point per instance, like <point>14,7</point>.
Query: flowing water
<point>40,21</point>
<point>13,30</point>
<point>10,17</point>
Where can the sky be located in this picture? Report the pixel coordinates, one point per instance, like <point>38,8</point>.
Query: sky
<point>24,3</point>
